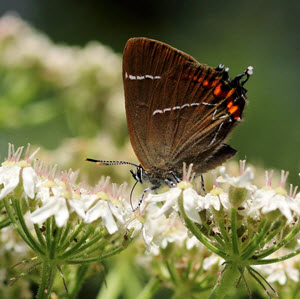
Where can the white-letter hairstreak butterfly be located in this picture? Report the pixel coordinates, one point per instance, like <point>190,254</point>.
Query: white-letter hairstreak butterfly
<point>178,110</point>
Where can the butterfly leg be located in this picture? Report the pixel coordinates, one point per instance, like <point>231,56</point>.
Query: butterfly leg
<point>177,179</point>
<point>143,194</point>
<point>170,183</point>
<point>202,185</point>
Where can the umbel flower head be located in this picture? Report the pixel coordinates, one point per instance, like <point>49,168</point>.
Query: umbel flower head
<point>240,222</point>
<point>66,223</point>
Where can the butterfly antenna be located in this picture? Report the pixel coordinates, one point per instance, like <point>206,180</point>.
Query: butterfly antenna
<point>107,163</point>
<point>131,196</point>
<point>248,72</point>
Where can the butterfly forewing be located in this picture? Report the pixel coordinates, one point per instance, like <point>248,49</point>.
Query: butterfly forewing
<point>144,63</point>
<point>178,110</point>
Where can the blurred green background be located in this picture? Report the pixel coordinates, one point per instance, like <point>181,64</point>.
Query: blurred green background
<point>80,112</point>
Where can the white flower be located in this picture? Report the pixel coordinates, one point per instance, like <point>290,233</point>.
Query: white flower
<point>121,212</point>
<point>136,225</point>
<point>242,181</point>
<point>294,204</point>
<point>55,206</point>
<point>81,205</point>
<point>268,201</point>
<point>30,181</point>
<point>10,178</point>
<point>190,202</point>
<point>159,232</point>
<point>102,210</point>
<point>170,198</point>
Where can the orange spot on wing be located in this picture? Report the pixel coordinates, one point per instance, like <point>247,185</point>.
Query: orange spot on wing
<point>205,83</point>
<point>229,105</point>
<point>208,83</point>
<point>219,93</point>
<point>232,109</point>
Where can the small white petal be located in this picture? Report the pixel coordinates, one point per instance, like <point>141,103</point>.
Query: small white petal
<point>43,194</point>
<point>45,211</point>
<point>94,213</point>
<point>101,210</point>
<point>119,212</point>
<point>9,178</point>
<point>211,201</point>
<point>242,181</point>
<point>54,206</point>
<point>62,215</point>
<point>167,207</point>
<point>169,195</point>
<point>78,206</point>
<point>136,226</point>
<point>190,204</point>
<point>30,180</point>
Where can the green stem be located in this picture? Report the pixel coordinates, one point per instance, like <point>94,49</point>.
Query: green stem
<point>92,246</point>
<point>283,242</point>
<point>40,236</point>
<point>5,222</point>
<point>26,235</point>
<point>98,258</point>
<point>48,233</point>
<point>253,245</point>
<point>234,236</point>
<point>275,260</point>
<point>227,283</point>
<point>15,223</point>
<point>77,245</point>
<point>150,289</point>
<point>56,233</point>
<point>47,278</point>
<point>197,233</point>
<point>68,240</point>
<point>276,228</point>
<point>224,233</point>
<point>64,236</point>
<point>214,235</point>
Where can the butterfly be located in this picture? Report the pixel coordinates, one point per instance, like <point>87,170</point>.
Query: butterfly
<point>178,110</point>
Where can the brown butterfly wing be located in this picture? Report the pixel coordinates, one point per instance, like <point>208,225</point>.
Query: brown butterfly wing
<point>193,117</point>
<point>181,113</point>
<point>145,61</point>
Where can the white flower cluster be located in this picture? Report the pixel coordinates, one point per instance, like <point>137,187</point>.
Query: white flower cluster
<point>258,203</point>
<point>59,196</point>
<point>239,221</point>
<point>24,46</point>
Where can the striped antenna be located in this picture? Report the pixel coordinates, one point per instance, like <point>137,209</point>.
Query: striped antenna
<point>107,163</point>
